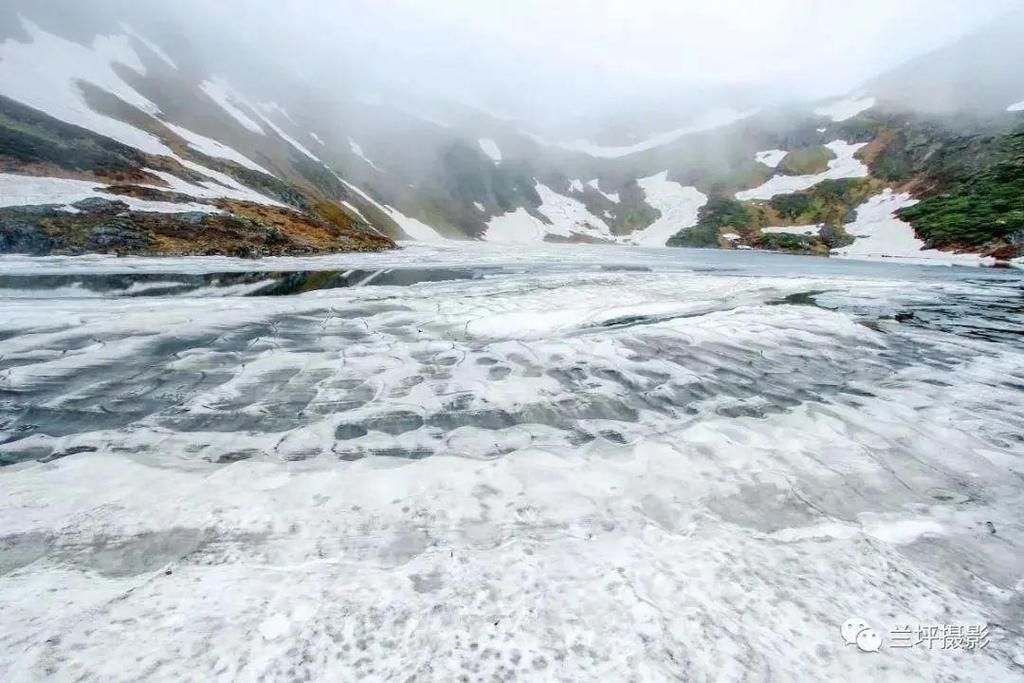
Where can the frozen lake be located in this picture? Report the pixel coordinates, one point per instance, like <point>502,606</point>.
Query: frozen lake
<point>507,463</point>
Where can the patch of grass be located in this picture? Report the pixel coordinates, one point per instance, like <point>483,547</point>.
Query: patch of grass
<point>712,219</point>
<point>806,160</point>
<point>827,202</point>
<point>984,206</point>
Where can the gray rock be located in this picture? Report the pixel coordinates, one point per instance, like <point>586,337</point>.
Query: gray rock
<point>118,235</point>
<point>100,205</point>
<point>21,237</point>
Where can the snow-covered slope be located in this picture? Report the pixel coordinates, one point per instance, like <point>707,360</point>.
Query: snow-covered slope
<point>843,166</point>
<point>678,206</point>
<point>879,234</point>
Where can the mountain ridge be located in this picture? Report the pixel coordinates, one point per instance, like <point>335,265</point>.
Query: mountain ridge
<point>332,172</point>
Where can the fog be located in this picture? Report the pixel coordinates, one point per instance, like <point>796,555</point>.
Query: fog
<point>545,61</point>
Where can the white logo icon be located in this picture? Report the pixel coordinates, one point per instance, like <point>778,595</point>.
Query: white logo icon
<point>856,632</point>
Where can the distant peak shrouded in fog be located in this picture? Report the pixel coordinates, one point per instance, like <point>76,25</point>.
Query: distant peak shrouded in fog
<point>540,62</point>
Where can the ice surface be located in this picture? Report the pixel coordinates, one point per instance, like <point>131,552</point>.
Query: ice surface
<point>562,471</point>
<point>60,64</point>
<point>220,92</point>
<point>843,166</point>
<point>771,157</point>
<point>846,108</point>
<point>678,205</point>
<point>211,147</point>
<point>490,148</point>
<point>880,234</point>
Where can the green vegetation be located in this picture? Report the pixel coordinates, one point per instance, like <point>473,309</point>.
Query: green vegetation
<point>984,206</point>
<point>829,201</point>
<point>717,214</point>
<point>806,160</point>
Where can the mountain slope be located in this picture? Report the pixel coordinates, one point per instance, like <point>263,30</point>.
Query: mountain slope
<point>201,156</point>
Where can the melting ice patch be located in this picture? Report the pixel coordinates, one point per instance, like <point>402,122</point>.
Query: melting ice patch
<point>843,166</point>
<point>59,64</point>
<point>846,108</point>
<point>679,206</point>
<point>490,148</point>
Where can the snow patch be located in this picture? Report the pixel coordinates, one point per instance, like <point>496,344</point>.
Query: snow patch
<point>846,108</point>
<point>567,217</point>
<point>264,110</point>
<point>570,216</point>
<point>414,228</point>
<point>717,118</point>
<point>151,46</point>
<point>612,196</point>
<point>843,166</point>
<point>795,229</point>
<point>44,74</point>
<point>221,93</point>
<point>771,157</point>
<point>212,148</point>
<point>879,234</point>
<point>20,190</point>
<point>479,207</point>
<point>222,186</point>
<point>1016,106</point>
<point>517,226</point>
<point>490,148</point>
<point>358,151</point>
<point>678,204</point>
<point>317,138</point>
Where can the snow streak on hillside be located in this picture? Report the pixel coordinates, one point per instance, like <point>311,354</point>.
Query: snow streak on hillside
<point>211,147</point>
<point>714,119</point>
<point>568,218</point>
<point>843,166</point>
<point>45,74</point>
<point>21,190</point>
<point>846,108</point>
<point>678,205</point>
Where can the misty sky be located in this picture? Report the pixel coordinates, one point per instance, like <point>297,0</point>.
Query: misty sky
<point>520,54</point>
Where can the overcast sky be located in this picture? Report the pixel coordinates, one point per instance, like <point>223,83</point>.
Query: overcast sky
<point>527,53</point>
